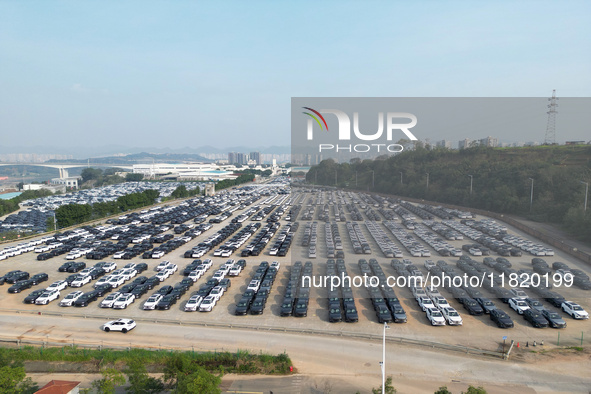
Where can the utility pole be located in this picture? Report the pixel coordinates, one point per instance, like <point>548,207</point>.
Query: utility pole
<point>383,363</point>
<point>401,177</point>
<point>355,178</point>
<point>373,180</point>
<point>471,177</point>
<point>531,196</point>
<point>427,180</point>
<point>586,192</point>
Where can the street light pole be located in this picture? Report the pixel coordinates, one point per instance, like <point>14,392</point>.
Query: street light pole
<point>335,178</point>
<point>531,196</point>
<point>373,180</point>
<point>427,180</point>
<point>383,363</point>
<point>355,178</point>
<point>471,178</point>
<point>586,192</point>
<point>401,177</point>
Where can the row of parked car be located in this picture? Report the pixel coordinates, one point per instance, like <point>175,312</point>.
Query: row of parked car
<point>254,299</point>
<point>341,304</point>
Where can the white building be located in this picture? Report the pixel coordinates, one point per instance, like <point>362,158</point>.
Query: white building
<point>183,171</point>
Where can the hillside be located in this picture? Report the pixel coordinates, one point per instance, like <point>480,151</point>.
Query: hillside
<point>501,180</point>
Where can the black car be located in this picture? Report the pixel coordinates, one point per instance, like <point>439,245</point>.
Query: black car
<point>139,290</point>
<point>140,280</point>
<point>501,318</point>
<point>301,308</point>
<point>554,319</point>
<point>15,276</point>
<point>351,315</point>
<point>166,302</point>
<point>242,306</point>
<point>286,308</point>
<point>77,266</point>
<point>20,286</point>
<point>152,282</point>
<point>97,273</point>
<point>165,290</point>
<point>334,314</point>
<point>64,267</point>
<point>38,278</point>
<point>128,288</point>
<point>472,307</point>
<point>555,299</point>
<point>86,298</point>
<point>186,283</point>
<point>383,314</point>
<point>30,299</point>
<point>258,305</point>
<point>103,289</point>
<point>399,314</point>
<point>71,278</point>
<point>486,304</point>
<point>535,318</point>
<point>44,256</point>
<point>225,283</point>
<point>178,291</point>
<point>141,267</point>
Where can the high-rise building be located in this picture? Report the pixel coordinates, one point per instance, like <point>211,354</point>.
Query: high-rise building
<point>231,157</point>
<point>443,144</point>
<point>256,156</point>
<point>464,144</point>
<point>489,142</point>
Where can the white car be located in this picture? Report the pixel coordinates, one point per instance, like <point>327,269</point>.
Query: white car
<point>574,310</point>
<point>518,305</point>
<point>219,275</point>
<point>70,298</point>
<point>435,317</point>
<point>163,275</point>
<point>254,285</point>
<point>426,303</point>
<point>58,285</point>
<point>276,265</point>
<point>207,263</point>
<point>152,301</point>
<point>116,281</point>
<point>47,297</point>
<point>86,271</point>
<point>193,303</point>
<point>163,265</point>
<point>129,266</point>
<point>123,325</point>
<point>452,316</point>
<point>518,293</point>
<point>102,281</point>
<point>207,304</point>
<point>172,267</point>
<point>158,254</point>
<point>217,292</point>
<point>235,270</point>
<point>109,300</point>
<point>440,302</point>
<point>81,281</point>
<point>119,254</point>
<point>109,266</point>
<point>128,273</point>
<point>123,301</point>
<point>195,275</point>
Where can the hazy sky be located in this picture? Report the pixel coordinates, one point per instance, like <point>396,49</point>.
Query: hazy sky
<point>191,73</point>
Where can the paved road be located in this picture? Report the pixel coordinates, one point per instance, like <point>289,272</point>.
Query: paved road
<point>345,360</point>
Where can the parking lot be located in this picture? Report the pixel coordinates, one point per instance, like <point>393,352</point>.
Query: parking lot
<point>323,207</point>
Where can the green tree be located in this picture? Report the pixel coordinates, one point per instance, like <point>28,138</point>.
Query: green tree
<point>198,381</point>
<point>139,380</point>
<point>443,390</point>
<point>110,380</point>
<point>130,177</point>
<point>180,192</point>
<point>389,389</point>
<point>14,380</point>
<point>474,390</point>
<point>91,174</point>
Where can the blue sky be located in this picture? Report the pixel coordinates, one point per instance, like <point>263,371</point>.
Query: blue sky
<point>190,73</point>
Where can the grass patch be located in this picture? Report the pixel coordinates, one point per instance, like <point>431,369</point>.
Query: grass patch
<point>240,362</point>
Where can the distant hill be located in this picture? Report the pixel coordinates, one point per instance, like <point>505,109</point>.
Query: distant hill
<point>138,158</point>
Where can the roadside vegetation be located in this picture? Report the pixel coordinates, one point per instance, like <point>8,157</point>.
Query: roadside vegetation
<point>501,180</point>
<point>182,372</point>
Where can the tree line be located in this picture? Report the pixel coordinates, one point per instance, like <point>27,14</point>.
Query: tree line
<point>71,214</point>
<point>498,180</point>
<point>11,205</point>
